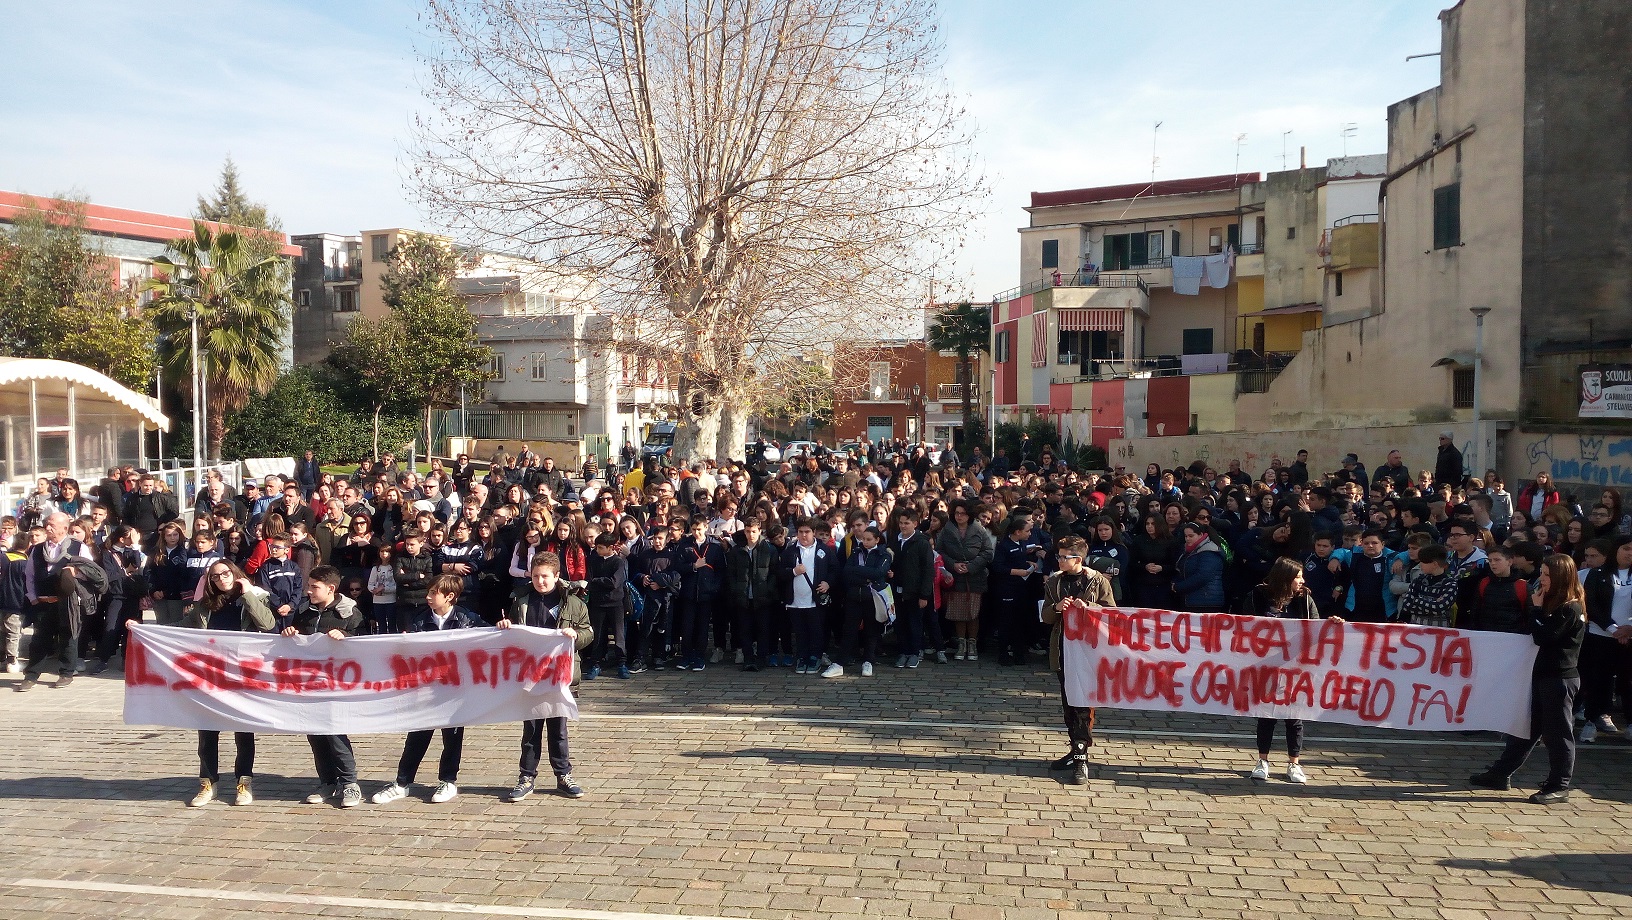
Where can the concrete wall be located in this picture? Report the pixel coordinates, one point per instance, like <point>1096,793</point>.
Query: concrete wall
<point>1292,269</point>
<point>1349,198</point>
<point>1577,174</point>
<point>1171,314</point>
<point>1418,443</point>
<point>1580,461</point>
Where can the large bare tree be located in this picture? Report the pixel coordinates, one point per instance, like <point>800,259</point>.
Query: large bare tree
<point>744,178</point>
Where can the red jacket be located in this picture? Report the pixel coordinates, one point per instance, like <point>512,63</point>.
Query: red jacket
<point>1528,495</point>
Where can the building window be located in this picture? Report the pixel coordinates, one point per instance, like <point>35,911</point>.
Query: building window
<point>878,379</point>
<point>1337,285</point>
<point>1291,233</point>
<point>1155,246</point>
<point>381,244</point>
<point>540,365</point>
<point>1448,216</point>
<point>1130,250</point>
<point>1001,348</point>
<point>348,301</point>
<point>1462,388</point>
<point>1051,253</point>
<point>1215,240</point>
<point>1198,341</point>
<point>1076,347</point>
<point>303,298</point>
<point>495,367</point>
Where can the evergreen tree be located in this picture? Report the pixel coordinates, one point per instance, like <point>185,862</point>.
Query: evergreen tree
<point>61,299</point>
<point>228,204</point>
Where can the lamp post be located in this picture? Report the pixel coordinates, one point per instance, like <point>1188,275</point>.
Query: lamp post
<point>198,402</point>
<point>1478,369</point>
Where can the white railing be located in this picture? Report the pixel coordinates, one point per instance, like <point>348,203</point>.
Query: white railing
<point>184,482</point>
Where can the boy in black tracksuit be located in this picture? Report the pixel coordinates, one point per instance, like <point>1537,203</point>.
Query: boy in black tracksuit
<point>330,613</point>
<point>1327,588</point>
<point>654,575</point>
<point>701,561</point>
<point>1501,598</point>
<point>439,613</point>
<point>281,578</point>
<point>608,575</point>
<point>866,569</point>
<point>751,591</point>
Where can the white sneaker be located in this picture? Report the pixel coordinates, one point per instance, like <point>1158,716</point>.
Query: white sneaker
<point>974,655</point>
<point>1606,725</point>
<point>963,650</point>
<point>14,668</point>
<point>717,656</point>
<point>246,791</point>
<point>1260,773</point>
<point>739,656</point>
<point>388,795</point>
<point>1589,733</point>
<point>321,794</point>
<point>900,661</point>
<point>1295,774</point>
<point>866,669</point>
<point>833,670</point>
<point>445,792</point>
<point>206,794</point>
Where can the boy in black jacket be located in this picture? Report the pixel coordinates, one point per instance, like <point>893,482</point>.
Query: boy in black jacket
<point>413,569</point>
<point>913,576</point>
<point>658,581</point>
<point>750,583</point>
<point>439,614</point>
<point>330,613</point>
<point>608,581</point>
<point>701,561</point>
<point>281,577</point>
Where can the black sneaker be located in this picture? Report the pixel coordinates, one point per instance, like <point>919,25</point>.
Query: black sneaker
<point>522,789</point>
<point>1064,763</point>
<point>637,668</point>
<point>1079,772</point>
<point>566,787</point>
<point>1551,796</point>
<point>1489,780</point>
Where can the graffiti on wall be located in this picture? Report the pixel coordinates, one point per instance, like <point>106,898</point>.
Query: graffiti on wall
<point>1593,459</point>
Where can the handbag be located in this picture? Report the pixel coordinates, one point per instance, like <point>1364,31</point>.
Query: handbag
<point>883,604</point>
<point>822,600</point>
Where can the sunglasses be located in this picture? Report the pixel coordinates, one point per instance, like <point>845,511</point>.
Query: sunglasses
<point>1069,556</point>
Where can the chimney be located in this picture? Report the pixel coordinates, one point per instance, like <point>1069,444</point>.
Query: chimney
<point>1303,157</point>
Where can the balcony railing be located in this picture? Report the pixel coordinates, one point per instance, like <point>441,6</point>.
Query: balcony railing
<point>349,272</point>
<point>1249,249</point>
<point>1354,219</point>
<point>1099,279</point>
<point>949,392</point>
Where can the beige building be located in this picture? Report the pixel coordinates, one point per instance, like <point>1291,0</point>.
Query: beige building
<point>1507,189</point>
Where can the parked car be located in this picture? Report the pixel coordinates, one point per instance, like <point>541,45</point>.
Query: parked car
<point>799,449</point>
<point>770,454</point>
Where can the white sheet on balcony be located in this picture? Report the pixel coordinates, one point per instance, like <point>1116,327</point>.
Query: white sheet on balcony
<point>1187,274</point>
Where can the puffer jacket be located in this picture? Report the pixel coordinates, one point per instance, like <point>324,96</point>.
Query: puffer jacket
<point>974,546</point>
<point>1199,576</point>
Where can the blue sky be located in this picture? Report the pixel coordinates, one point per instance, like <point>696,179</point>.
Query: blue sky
<point>136,104</point>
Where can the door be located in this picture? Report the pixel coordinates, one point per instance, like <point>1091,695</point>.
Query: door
<point>880,428</point>
<point>1258,337</point>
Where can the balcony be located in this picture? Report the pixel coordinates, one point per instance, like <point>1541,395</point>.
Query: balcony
<point>341,273</point>
<point>883,394</point>
<point>953,392</point>
<point>1099,279</point>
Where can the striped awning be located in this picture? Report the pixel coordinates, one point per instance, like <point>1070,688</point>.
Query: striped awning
<point>1088,320</point>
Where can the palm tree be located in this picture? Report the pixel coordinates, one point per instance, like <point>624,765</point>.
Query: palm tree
<point>965,329</point>
<point>242,303</point>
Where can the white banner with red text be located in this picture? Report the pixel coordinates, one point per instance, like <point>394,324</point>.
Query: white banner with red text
<point>1387,675</point>
<point>315,685</point>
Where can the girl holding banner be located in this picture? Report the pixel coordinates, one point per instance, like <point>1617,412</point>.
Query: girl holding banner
<point>230,602</point>
<point>1282,594</point>
<point>1558,624</point>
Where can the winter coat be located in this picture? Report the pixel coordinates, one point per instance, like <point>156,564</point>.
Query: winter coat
<point>1088,585</point>
<point>257,616</point>
<point>1199,576</point>
<point>976,547</point>
<point>573,614</point>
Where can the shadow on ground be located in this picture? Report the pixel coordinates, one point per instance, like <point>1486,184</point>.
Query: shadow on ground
<point>1599,872</point>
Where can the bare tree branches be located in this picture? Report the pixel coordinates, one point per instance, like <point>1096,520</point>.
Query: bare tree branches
<point>761,174</point>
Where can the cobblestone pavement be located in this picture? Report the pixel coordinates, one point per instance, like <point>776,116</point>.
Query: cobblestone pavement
<point>913,794</point>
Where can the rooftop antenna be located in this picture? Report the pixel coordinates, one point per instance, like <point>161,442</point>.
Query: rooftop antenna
<point>1239,140</point>
<point>1349,130</point>
<point>1412,57</point>
<point>1284,135</point>
<point>1154,159</point>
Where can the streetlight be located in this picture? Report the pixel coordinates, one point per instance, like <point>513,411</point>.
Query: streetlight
<point>198,402</point>
<point>1478,369</point>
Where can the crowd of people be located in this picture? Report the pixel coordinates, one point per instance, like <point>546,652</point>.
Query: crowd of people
<point>831,564</point>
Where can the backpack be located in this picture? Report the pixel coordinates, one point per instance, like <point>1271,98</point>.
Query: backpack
<point>1521,589</point>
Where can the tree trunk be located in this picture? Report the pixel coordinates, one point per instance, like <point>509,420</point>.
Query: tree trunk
<point>732,439</point>
<point>697,429</point>
<point>968,406</point>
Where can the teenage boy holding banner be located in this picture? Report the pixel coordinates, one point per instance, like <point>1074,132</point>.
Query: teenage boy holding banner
<point>546,604</point>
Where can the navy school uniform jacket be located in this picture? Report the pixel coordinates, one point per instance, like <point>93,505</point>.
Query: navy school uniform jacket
<point>283,580</point>
<point>828,567</point>
<point>658,565</point>
<point>702,568</point>
<point>867,568</point>
<point>458,618</point>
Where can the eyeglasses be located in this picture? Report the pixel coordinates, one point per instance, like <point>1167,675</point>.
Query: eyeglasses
<point>223,575</point>
<point>1069,556</point>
